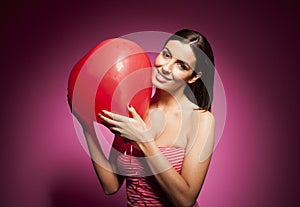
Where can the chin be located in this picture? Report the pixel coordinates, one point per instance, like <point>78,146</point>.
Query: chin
<point>154,81</point>
<point>156,84</point>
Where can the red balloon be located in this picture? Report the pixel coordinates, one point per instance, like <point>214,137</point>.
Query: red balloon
<point>115,73</point>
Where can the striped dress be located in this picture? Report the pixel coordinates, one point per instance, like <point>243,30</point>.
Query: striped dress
<point>142,189</point>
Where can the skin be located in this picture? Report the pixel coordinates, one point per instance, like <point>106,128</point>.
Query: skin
<point>171,121</point>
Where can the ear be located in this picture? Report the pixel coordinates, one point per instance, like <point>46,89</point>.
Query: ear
<point>194,78</point>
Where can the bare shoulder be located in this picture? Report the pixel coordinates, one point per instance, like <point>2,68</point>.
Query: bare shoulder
<point>201,137</point>
<point>201,113</point>
<point>203,124</point>
<point>205,116</point>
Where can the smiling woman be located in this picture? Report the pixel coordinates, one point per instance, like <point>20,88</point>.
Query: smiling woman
<point>164,157</point>
<point>174,67</point>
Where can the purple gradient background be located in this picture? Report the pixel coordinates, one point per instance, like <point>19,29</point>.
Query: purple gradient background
<point>255,45</point>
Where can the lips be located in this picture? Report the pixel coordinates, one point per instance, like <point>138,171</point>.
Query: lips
<point>161,78</point>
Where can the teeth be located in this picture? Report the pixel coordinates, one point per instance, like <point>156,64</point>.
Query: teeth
<point>161,78</point>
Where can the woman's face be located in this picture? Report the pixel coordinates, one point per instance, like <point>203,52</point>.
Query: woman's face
<point>174,66</point>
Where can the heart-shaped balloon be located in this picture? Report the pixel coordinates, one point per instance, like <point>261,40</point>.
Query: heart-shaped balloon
<point>115,73</point>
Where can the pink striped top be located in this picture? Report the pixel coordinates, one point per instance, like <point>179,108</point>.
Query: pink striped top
<point>144,190</point>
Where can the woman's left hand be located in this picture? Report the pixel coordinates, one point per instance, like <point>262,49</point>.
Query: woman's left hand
<point>133,128</point>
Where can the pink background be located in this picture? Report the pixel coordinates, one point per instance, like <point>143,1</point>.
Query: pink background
<point>255,46</point>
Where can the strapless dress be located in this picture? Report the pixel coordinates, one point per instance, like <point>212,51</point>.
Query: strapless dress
<point>142,188</point>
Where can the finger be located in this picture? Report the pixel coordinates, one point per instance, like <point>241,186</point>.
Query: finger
<point>134,114</point>
<point>108,120</point>
<point>115,130</point>
<point>116,117</point>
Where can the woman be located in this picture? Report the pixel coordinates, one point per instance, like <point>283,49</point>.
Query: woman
<point>165,157</point>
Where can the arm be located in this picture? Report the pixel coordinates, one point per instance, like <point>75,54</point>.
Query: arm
<point>183,188</point>
<point>110,181</point>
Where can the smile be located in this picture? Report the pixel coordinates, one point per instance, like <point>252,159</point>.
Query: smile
<point>161,78</point>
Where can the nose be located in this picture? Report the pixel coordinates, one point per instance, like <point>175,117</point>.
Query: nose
<point>164,71</point>
<point>166,68</point>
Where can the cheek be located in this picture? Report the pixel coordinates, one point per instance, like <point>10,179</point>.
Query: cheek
<point>153,72</point>
<point>159,61</point>
<point>181,75</point>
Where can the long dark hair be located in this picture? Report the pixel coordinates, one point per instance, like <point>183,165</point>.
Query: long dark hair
<point>199,92</point>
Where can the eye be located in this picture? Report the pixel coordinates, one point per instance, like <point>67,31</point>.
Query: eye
<point>166,54</point>
<point>183,66</point>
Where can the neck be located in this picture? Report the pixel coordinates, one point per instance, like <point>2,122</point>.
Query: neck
<point>167,101</point>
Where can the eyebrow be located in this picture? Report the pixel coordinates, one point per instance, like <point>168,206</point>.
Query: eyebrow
<point>179,59</point>
<point>168,50</point>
